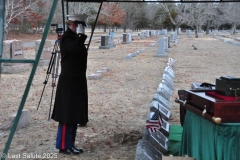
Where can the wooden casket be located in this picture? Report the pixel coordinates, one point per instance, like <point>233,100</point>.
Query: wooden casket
<point>213,106</point>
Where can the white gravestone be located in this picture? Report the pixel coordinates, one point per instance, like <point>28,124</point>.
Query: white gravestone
<point>163,32</point>
<point>172,37</point>
<point>142,35</point>
<point>168,70</point>
<point>168,81</point>
<point>147,33</point>
<point>129,56</point>
<point>165,128</point>
<point>163,101</point>
<point>165,112</point>
<point>129,37</point>
<point>161,48</point>
<point>165,91</point>
<point>166,44</point>
<point>160,141</point>
<point>23,121</point>
<point>46,52</point>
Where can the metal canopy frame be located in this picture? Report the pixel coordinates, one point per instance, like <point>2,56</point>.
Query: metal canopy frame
<point>95,23</point>
<point>157,1</point>
<point>48,24</point>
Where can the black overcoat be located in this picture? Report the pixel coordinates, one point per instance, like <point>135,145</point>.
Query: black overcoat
<point>71,101</point>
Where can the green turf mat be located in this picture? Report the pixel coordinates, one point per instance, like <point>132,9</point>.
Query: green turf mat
<point>174,140</point>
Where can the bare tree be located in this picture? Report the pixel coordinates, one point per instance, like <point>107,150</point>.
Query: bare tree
<point>231,16</point>
<point>13,9</point>
<point>132,10</point>
<point>151,10</point>
<point>180,9</point>
<point>211,14</point>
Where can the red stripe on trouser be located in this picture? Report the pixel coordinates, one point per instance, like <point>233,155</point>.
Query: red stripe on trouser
<point>63,135</point>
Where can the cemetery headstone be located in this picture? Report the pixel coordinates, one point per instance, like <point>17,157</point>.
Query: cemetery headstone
<point>163,32</point>
<point>125,38</point>
<point>95,76</point>
<point>151,151</point>
<point>142,35</point>
<point>162,100</point>
<point>172,37</point>
<point>130,38</point>
<point>166,44</point>
<point>168,81</point>
<point>147,33</point>
<point>189,33</point>
<point>105,42</point>
<point>179,30</point>
<point>165,128</point>
<point>158,140</point>
<point>129,56</point>
<point>165,113</point>
<point>46,52</point>
<point>142,151</point>
<point>13,49</point>
<point>111,41</point>
<point>23,121</point>
<point>134,54</point>
<point>171,63</point>
<point>168,70</point>
<point>151,145</point>
<point>165,91</point>
<point>161,48</point>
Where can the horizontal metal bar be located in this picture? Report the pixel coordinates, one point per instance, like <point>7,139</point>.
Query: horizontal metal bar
<point>160,1</point>
<point>18,60</point>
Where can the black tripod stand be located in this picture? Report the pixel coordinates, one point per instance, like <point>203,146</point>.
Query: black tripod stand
<point>53,66</point>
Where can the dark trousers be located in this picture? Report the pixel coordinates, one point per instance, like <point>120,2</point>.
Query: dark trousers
<point>66,136</point>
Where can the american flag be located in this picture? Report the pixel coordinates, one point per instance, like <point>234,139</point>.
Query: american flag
<point>155,122</point>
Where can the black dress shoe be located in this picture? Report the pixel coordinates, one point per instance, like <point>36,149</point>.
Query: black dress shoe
<point>69,151</point>
<point>82,125</point>
<point>65,151</point>
<point>80,150</point>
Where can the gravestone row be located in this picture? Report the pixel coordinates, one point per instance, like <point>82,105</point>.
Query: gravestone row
<point>149,33</point>
<point>98,74</point>
<point>152,44</point>
<point>231,37</point>
<point>227,41</point>
<point>13,49</point>
<point>134,54</point>
<point>155,144</point>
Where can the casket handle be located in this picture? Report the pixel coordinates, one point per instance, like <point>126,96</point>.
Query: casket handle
<point>235,92</point>
<point>217,120</point>
<point>204,111</point>
<point>177,100</point>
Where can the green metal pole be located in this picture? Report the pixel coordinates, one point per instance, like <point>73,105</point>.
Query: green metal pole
<point>2,10</point>
<point>13,129</point>
<point>18,60</point>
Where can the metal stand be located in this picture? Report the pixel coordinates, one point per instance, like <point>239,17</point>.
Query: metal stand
<point>52,69</point>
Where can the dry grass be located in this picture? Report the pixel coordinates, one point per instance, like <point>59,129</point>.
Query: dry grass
<point>118,102</point>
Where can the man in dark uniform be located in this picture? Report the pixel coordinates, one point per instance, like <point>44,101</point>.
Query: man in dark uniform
<point>71,102</point>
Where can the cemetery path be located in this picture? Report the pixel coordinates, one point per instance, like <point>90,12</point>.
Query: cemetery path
<point>118,102</point>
